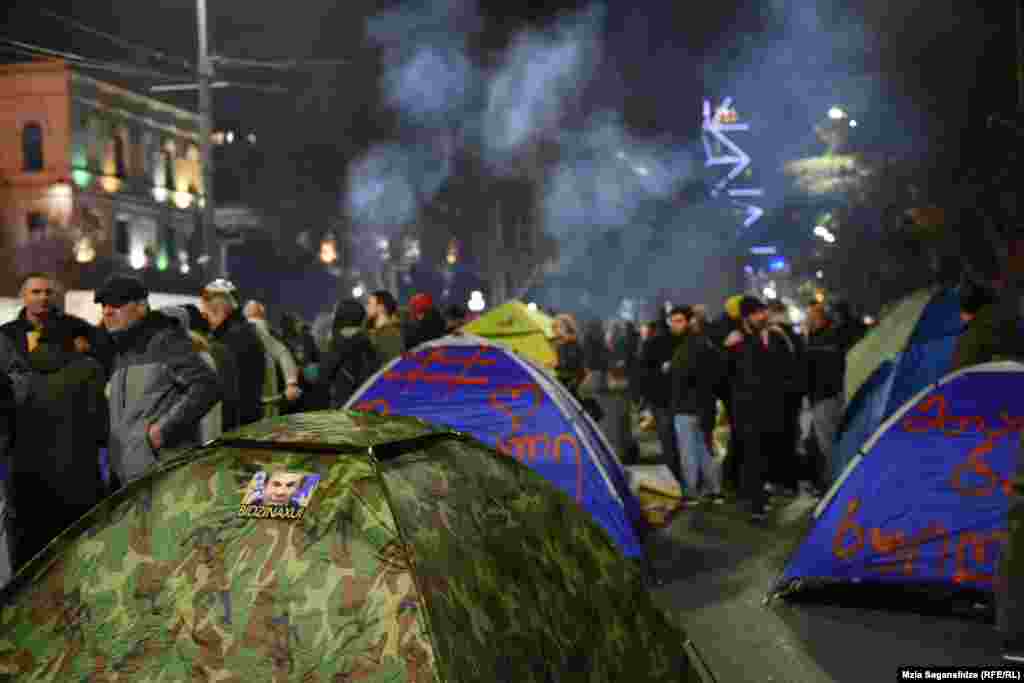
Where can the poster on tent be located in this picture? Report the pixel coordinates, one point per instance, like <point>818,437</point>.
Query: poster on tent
<point>928,502</point>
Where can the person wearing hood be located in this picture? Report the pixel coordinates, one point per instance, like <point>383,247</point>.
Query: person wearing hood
<point>160,388</point>
<point>426,323</point>
<point>220,307</point>
<point>351,358</point>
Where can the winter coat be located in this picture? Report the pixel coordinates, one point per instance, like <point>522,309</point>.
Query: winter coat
<point>60,331</point>
<point>429,328</point>
<point>351,361</point>
<point>158,379</point>
<point>979,342</point>
<point>244,342</point>
<point>826,364</point>
<point>759,379</point>
<point>656,378</point>
<point>279,363</point>
<point>693,374</point>
<point>569,368</point>
<point>388,341</point>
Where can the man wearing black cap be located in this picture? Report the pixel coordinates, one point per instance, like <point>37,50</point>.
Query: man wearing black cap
<point>761,361</point>
<point>160,387</point>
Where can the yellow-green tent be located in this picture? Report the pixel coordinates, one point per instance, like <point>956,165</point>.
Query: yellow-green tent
<point>528,333</point>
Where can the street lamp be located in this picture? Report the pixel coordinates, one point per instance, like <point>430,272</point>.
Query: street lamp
<point>836,114</point>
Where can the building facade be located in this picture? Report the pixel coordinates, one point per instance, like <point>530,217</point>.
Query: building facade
<point>95,179</point>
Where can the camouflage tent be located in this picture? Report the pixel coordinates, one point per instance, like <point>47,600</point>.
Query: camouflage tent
<point>334,546</point>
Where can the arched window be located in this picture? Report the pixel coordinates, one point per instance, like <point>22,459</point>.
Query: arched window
<point>32,147</point>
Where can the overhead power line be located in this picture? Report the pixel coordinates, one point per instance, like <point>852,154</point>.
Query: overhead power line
<point>30,50</point>
<point>117,40</point>
<point>278,65</point>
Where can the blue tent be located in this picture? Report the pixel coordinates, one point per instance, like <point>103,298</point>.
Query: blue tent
<point>926,356</point>
<point>491,393</point>
<point>925,501</point>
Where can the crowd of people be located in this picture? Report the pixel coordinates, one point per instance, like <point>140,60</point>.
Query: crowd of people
<point>684,373</point>
<point>144,382</point>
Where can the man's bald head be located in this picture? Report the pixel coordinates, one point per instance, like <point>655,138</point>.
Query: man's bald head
<point>254,310</point>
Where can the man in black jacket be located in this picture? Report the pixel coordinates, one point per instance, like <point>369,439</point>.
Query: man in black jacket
<point>229,327</point>
<point>761,367</point>
<point>657,363</point>
<point>786,470</point>
<point>693,404</point>
<point>827,345</point>
<point>41,321</point>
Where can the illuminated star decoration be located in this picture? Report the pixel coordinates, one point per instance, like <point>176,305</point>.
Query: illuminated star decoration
<point>716,123</point>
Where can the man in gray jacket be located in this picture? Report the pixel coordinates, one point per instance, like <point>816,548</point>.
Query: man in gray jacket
<point>160,388</point>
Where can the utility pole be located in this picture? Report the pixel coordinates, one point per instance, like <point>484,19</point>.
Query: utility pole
<point>1020,56</point>
<point>205,74</point>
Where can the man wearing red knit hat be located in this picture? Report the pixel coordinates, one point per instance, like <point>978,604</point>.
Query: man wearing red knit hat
<point>426,323</point>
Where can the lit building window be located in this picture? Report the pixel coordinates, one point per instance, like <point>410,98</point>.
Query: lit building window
<point>32,147</point>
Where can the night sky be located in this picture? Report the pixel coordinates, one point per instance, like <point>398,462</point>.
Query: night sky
<point>952,59</point>
<point>920,77</point>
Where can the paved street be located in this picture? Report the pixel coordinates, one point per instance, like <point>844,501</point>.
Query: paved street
<point>716,569</point>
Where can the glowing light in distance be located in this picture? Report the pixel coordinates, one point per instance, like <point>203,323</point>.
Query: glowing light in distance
<point>820,230</point>
<point>476,302</point>
<point>531,306</point>
<point>358,291</point>
<point>138,257</point>
<point>820,274</point>
<point>853,123</point>
<point>835,113</point>
<point>770,293</point>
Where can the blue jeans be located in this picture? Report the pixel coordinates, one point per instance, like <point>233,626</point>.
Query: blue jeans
<point>697,464</point>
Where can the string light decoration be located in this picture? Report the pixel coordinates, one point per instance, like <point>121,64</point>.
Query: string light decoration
<point>716,123</point>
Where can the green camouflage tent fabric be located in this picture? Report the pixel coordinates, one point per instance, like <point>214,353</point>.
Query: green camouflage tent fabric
<point>408,554</point>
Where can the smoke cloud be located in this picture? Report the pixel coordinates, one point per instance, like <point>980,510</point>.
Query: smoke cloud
<point>612,198</point>
<point>541,76</point>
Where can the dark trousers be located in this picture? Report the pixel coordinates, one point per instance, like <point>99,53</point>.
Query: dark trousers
<point>667,439</point>
<point>42,512</point>
<point>781,448</point>
<point>734,460</point>
<point>753,468</point>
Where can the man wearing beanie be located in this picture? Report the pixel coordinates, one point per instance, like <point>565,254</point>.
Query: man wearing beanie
<point>160,387</point>
<point>761,359</point>
<point>426,323</point>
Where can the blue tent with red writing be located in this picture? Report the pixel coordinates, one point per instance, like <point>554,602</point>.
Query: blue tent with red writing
<point>486,390</point>
<point>924,501</point>
<point>910,349</point>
